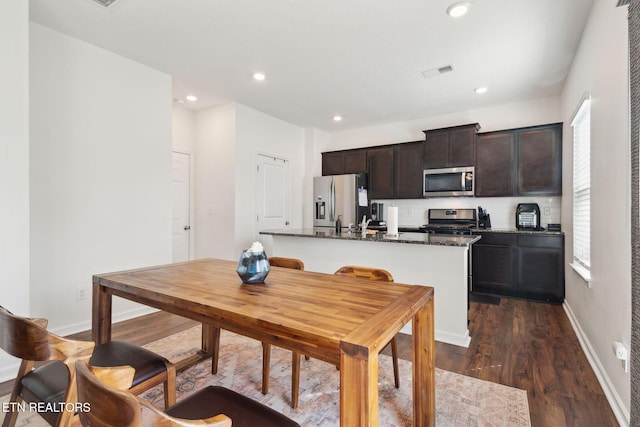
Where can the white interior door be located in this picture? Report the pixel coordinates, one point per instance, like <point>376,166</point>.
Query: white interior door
<point>273,188</point>
<point>181,206</point>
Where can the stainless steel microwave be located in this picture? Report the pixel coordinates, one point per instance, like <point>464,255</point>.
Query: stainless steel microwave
<point>449,182</point>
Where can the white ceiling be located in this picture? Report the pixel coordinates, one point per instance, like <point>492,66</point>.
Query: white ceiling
<point>361,59</point>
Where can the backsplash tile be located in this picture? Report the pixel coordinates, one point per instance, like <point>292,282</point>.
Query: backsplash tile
<point>413,212</point>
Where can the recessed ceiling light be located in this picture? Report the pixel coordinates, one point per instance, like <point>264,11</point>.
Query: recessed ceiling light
<point>259,76</point>
<point>337,118</point>
<point>480,90</point>
<point>192,98</point>
<point>458,9</point>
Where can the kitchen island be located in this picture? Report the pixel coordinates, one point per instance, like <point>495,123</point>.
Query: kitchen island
<point>440,261</point>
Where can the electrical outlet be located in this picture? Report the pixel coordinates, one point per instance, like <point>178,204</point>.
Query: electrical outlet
<point>620,350</point>
<point>82,292</point>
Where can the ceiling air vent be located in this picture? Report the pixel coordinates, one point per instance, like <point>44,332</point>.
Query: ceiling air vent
<point>437,71</point>
<point>105,3</point>
<point>623,2</point>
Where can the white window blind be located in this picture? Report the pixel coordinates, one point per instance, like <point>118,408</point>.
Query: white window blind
<point>582,185</point>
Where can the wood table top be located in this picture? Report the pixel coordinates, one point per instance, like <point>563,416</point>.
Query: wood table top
<point>290,303</point>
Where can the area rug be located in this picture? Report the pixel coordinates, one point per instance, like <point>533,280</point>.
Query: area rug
<point>460,400</point>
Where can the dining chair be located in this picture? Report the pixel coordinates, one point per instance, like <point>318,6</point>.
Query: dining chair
<point>53,383</point>
<point>284,262</point>
<point>350,271</point>
<point>277,261</point>
<point>384,276</point>
<point>295,264</point>
<point>107,402</point>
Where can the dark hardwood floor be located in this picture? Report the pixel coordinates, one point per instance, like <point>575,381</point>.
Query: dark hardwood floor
<point>523,344</point>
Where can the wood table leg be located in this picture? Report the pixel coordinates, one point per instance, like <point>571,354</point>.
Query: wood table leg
<point>208,339</point>
<point>295,378</point>
<point>101,315</point>
<point>266,367</point>
<point>358,386</point>
<point>424,367</point>
<point>211,345</point>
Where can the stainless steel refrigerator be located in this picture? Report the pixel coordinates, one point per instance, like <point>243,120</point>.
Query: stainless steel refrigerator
<point>343,195</point>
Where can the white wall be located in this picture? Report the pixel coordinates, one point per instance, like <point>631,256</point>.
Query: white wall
<point>183,140</point>
<point>14,155</point>
<point>537,112</point>
<point>183,129</point>
<point>602,313</point>
<point>229,137</point>
<point>314,140</point>
<point>215,164</point>
<point>14,159</point>
<point>258,133</point>
<point>100,173</point>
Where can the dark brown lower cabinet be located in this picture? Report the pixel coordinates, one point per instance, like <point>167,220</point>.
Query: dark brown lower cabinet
<point>493,259</point>
<point>521,265</point>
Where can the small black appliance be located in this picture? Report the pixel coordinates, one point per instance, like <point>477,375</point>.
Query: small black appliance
<point>528,216</point>
<point>377,211</point>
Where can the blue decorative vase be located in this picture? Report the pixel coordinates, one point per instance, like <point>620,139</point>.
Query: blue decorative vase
<point>253,267</point>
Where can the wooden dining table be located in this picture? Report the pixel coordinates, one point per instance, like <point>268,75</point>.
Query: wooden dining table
<point>341,320</point>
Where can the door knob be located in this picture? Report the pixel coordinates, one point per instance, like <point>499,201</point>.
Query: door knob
<point>187,227</point>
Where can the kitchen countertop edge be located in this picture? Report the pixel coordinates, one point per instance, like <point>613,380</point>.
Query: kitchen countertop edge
<point>516,231</point>
<point>403,237</point>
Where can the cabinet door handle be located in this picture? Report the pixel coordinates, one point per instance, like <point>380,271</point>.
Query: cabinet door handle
<point>187,227</point>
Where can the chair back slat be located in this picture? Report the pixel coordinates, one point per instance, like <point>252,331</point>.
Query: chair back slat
<point>106,405</point>
<point>365,273</point>
<point>294,263</point>
<point>23,338</point>
<point>104,391</point>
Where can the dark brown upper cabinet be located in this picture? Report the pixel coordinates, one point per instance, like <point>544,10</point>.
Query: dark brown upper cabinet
<point>380,161</point>
<point>495,155</point>
<point>346,161</point>
<point>407,170</point>
<point>520,162</point>
<point>450,147</point>
<point>540,161</point>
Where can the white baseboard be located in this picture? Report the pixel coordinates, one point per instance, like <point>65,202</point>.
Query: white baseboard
<point>617,405</point>
<point>8,371</point>
<point>445,337</point>
<point>117,317</point>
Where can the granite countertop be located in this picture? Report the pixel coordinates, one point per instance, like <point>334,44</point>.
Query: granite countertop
<point>411,238</point>
<point>515,230</point>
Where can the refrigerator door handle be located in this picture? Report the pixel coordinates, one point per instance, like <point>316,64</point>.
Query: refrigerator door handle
<point>333,201</point>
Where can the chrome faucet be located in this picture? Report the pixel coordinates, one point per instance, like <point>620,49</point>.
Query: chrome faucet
<point>365,224</point>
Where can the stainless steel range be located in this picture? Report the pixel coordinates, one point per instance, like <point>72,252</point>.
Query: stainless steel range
<point>451,221</point>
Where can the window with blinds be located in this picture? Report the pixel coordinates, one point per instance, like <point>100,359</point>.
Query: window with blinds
<point>581,125</point>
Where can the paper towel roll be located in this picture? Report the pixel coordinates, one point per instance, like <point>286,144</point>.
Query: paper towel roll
<point>392,220</point>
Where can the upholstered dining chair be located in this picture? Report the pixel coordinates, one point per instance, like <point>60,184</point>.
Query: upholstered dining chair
<point>53,383</point>
<point>108,403</point>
